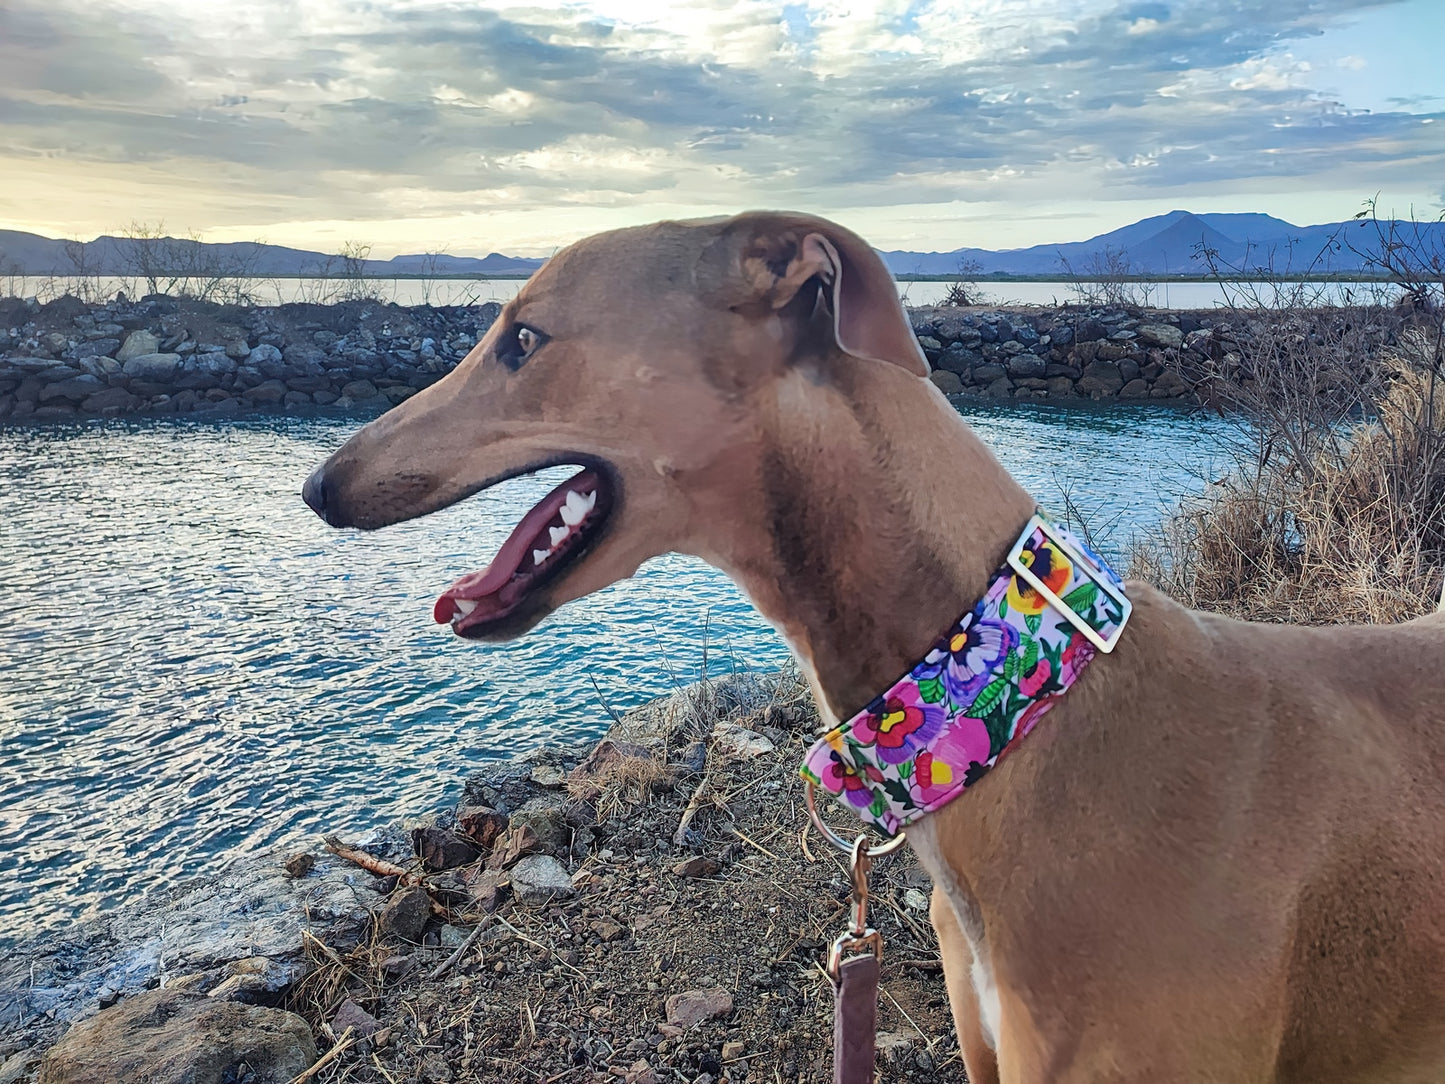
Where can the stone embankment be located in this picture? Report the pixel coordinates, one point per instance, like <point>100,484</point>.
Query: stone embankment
<point>166,356</point>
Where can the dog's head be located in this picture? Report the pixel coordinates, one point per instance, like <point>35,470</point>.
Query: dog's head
<point>640,356</point>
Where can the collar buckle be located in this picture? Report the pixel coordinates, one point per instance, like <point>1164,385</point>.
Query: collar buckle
<point>1085,561</point>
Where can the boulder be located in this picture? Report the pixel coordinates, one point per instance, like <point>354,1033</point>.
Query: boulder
<point>946,382</point>
<point>138,344</point>
<point>182,1037</point>
<point>155,368</point>
<point>359,390</point>
<point>1164,335</point>
<point>1030,365</point>
<point>268,392</point>
<point>1135,389</point>
<point>1100,379</point>
<point>263,355</point>
<point>73,390</point>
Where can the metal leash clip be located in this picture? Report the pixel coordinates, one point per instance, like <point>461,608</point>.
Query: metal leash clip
<point>859,937</point>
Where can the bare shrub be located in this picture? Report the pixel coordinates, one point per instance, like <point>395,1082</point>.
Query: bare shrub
<point>965,290</point>
<point>1107,279</point>
<point>187,266</point>
<point>1334,511</point>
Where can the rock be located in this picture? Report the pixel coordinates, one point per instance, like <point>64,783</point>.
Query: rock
<point>481,824</point>
<point>1165,335</point>
<point>733,1050</point>
<point>156,368</point>
<point>182,1037</point>
<point>549,775</point>
<point>138,344</point>
<point>97,347</point>
<point>737,741</point>
<point>359,390</point>
<point>263,355</point>
<point>696,867</point>
<point>299,864</point>
<point>75,390</point>
<point>1059,387</point>
<point>1135,389</point>
<point>1170,385</point>
<point>692,1007</point>
<point>253,978</point>
<point>353,1016</point>
<point>237,349</point>
<point>439,849</point>
<point>486,886</point>
<point>541,877</point>
<point>1002,388</point>
<point>293,400</point>
<point>608,928</point>
<point>915,900</point>
<point>986,374</point>
<point>512,845</point>
<point>1027,365</point>
<point>17,1067</point>
<point>1101,378</point>
<point>268,392</point>
<point>405,914</point>
<point>546,818</point>
<point>946,382</point>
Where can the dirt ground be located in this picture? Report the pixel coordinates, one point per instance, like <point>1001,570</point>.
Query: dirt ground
<point>576,987</point>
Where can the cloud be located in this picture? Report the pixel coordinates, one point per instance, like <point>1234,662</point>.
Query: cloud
<point>357,109</point>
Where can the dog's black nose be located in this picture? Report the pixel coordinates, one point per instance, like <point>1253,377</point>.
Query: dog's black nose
<point>314,492</point>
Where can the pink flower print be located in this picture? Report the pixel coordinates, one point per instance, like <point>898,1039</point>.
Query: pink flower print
<point>1033,683</point>
<point>944,765</point>
<point>1076,656</point>
<point>840,777</point>
<point>899,724</point>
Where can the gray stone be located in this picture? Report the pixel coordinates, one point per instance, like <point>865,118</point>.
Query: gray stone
<point>27,365</point>
<point>324,398</point>
<point>73,390</point>
<point>296,399</point>
<point>540,877</point>
<point>138,344</point>
<point>181,1037</point>
<point>1164,335</point>
<point>1002,388</point>
<point>545,818</point>
<point>97,347</point>
<point>1100,379</point>
<point>946,382</point>
<point>265,354</point>
<point>1135,389</point>
<point>987,374</point>
<point>1027,365</point>
<point>103,367</point>
<point>359,390</point>
<point>267,392</point>
<point>238,349</point>
<point>1060,387</point>
<point>157,368</point>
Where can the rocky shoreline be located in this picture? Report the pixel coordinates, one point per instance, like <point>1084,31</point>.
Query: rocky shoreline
<point>67,360</point>
<point>647,908</point>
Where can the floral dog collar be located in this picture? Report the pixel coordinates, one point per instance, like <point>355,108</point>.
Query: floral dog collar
<point>982,686</point>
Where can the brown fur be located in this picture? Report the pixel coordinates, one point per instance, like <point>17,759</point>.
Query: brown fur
<point>1221,858</point>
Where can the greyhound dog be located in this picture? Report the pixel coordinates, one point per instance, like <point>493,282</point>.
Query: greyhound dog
<point>1221,857</point>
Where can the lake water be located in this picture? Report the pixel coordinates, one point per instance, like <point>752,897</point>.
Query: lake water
<point>1164,295</point>
<point>192,664</point>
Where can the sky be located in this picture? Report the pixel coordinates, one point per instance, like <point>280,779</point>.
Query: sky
<point>493,125</point>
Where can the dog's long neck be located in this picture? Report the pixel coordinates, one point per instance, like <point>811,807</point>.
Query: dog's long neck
<point>875,520</point>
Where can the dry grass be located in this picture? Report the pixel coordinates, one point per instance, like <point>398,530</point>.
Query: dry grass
<point>1323,521</point>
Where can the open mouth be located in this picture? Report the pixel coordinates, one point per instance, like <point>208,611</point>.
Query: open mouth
<point>559,530</point>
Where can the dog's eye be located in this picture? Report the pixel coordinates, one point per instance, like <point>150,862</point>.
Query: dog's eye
<point>519,344</point>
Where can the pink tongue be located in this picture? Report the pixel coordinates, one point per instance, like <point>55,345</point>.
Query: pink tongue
<point>477,585</point>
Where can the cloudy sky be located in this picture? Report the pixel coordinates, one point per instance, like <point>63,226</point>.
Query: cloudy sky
<point>929,124</point>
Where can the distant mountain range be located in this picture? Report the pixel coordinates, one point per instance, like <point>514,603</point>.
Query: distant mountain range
<point>1163,245</point>
<point>32,254</point>
<point>1170,245</point>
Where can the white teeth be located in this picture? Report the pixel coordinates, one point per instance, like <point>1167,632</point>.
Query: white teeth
<point>577,507</point>
<point>465,605</point>
<point>558,534</point>
<point>538,556</point>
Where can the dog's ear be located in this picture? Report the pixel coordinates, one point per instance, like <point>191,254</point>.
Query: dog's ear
<point>869,320</point>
